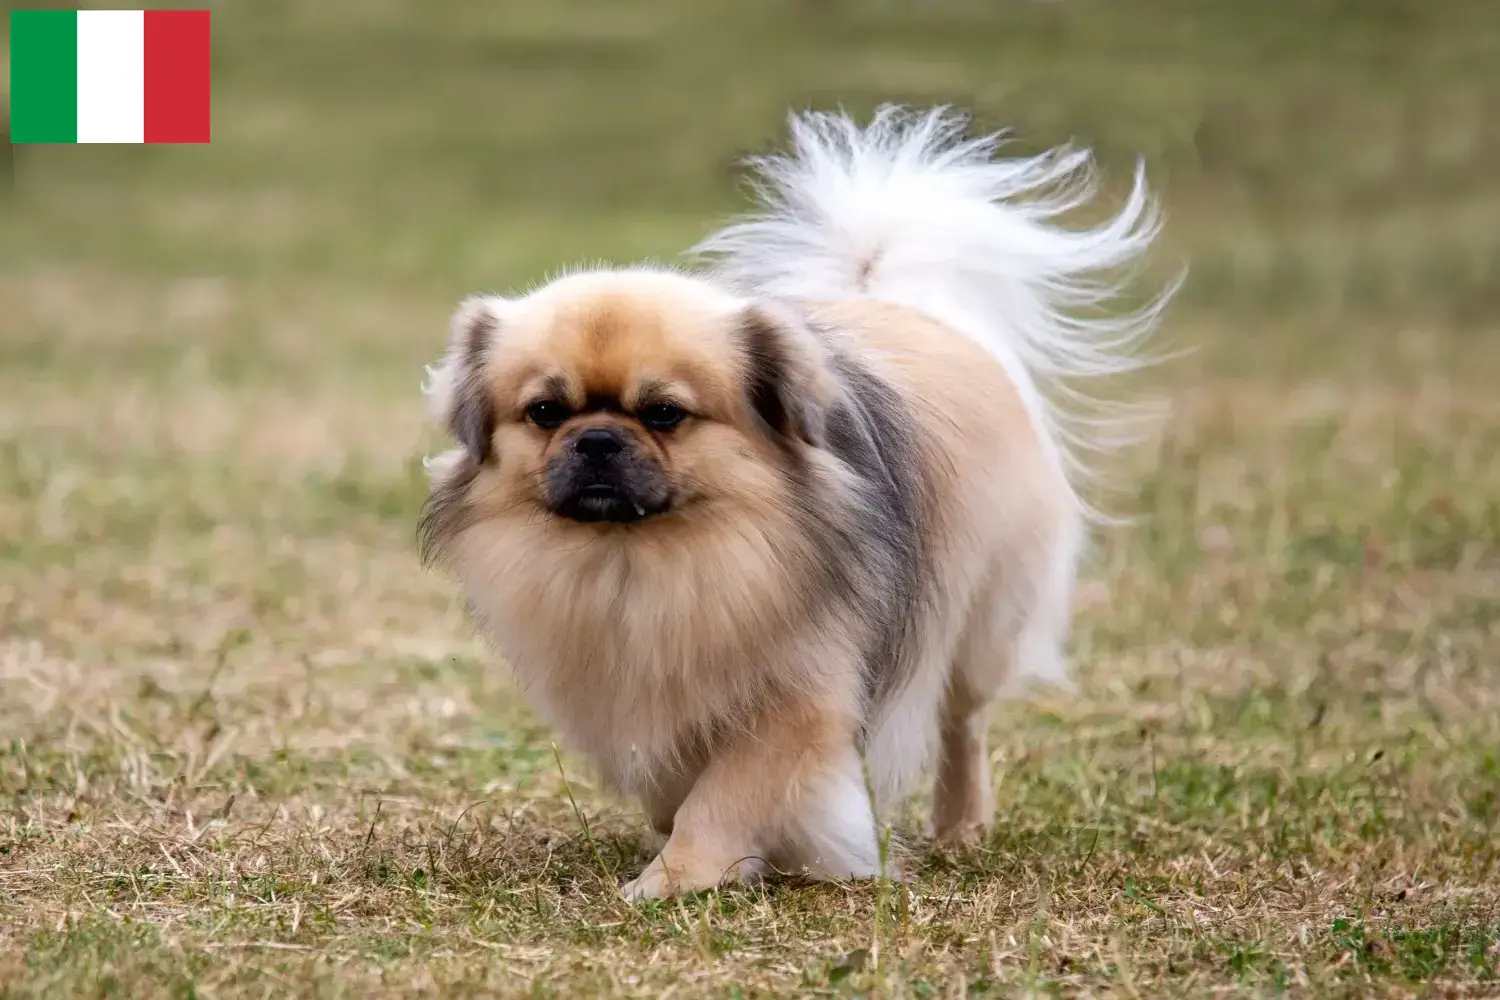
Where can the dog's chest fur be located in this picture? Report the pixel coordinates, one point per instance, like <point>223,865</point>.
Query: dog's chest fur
<point>637,652</point>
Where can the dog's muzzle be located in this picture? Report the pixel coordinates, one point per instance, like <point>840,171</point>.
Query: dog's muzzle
<point>601,476</point>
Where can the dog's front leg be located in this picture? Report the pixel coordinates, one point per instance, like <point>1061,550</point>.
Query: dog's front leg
<point>788,789</point>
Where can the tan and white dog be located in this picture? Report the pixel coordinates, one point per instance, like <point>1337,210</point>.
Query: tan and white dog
<point>748,534</point>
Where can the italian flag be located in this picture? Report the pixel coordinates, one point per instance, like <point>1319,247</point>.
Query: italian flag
<point>109,76</point>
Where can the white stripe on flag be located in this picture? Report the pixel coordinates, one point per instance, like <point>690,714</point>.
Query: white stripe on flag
<point>111,76</point>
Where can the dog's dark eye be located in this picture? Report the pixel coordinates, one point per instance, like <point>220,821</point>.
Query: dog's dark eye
<point>548,414</point>
<point>663,416</point>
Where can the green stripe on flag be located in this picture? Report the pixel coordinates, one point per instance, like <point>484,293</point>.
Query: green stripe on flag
<point>43,76</point>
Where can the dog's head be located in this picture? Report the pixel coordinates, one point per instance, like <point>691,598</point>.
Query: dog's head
<point>615,399</point>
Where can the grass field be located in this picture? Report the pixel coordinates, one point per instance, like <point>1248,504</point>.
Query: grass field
<point>249,748</point>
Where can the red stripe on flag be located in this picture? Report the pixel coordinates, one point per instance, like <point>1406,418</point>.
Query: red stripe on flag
<point>177,82</point>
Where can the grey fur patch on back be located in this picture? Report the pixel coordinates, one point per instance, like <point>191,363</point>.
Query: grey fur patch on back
<point>872,431</point>
<point>872,553</point>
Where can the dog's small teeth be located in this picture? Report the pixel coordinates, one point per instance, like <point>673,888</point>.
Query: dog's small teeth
<point>640,511</point>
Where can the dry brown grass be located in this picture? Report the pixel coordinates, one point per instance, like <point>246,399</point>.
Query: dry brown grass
<point>252,749</point>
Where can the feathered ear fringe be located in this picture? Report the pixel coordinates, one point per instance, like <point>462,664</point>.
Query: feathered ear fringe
<point>908,209</point>
<point>469,330</point>
<point>451,387</point>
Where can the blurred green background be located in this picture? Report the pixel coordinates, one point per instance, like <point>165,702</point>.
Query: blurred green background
<point>1330,164</point>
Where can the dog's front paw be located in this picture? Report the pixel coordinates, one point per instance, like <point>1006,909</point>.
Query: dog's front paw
<point>650,885</point>
<point>658,881</point>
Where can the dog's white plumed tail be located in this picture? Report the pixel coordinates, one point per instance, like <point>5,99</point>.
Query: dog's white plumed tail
<point>911,211</point>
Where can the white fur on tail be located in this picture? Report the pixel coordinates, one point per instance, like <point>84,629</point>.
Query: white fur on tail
<point>908,210</point>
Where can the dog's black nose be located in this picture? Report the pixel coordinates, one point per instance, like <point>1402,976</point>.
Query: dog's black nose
<point>598,444</point>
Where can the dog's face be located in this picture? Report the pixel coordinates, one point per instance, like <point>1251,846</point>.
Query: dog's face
<point>613,399</point>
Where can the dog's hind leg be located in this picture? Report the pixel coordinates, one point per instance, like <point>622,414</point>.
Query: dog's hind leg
<point>963,800</point>
<point>1016,631</point>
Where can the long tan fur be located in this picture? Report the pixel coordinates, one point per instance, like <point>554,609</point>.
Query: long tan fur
<point>739,547</point>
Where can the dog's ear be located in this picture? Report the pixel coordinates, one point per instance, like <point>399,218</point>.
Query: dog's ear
<point>455,388</point>
<point>789,385</point>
